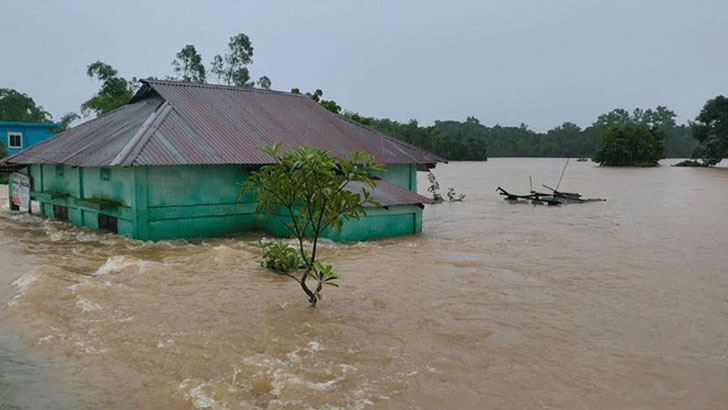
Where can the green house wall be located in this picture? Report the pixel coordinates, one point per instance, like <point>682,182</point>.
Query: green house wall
<point>156,203</point>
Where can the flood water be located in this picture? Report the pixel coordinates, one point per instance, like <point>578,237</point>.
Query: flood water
<point>617,304</point>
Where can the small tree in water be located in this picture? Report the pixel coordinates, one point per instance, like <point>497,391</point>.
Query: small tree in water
<point>308,187</point>
<point>434,187</point>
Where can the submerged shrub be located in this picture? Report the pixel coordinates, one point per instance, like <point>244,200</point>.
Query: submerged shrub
<point>454,197</point>
<point>691,163</point>
<point>279,256</point>
<point>434,187</point>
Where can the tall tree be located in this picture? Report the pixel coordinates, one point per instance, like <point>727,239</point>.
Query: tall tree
<point>115,90</point>
<point>17,106</point>
<point>264,82</point>
<point>629,145</point>
<point>188,65</point>
<point>711,129</point>
<point>231,68</point>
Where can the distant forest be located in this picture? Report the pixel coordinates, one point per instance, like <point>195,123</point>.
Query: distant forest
<point>472,141</point>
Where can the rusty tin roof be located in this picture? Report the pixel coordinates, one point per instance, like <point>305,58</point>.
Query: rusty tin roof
<point>176,123</point>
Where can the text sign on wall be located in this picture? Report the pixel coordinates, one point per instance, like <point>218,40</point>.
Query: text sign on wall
<point>21,189</point>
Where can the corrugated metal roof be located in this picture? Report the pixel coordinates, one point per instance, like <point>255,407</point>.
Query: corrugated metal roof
<point>94,143</point>
<point>175,123</point>
<point>388,194</point>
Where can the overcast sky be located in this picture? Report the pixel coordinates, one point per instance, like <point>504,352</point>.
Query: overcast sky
<point>541,62</point>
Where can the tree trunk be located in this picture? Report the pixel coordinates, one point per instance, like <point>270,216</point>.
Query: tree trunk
<point>311,296</point>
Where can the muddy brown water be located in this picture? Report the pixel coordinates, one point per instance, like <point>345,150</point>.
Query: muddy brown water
<point>620,304</point>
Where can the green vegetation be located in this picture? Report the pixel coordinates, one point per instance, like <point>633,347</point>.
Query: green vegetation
<point>690,163</point>
<point>330,105</point>
<point>188,65</point>
<point>629,145</point>
<point>232,69</point>
<point>115,90</point>
<point>711,129</point>
<point>434,188</point>
<point>471,141</point>
<point>452,196</point>
<point>65,122</point>
<point>16,106</point>
<point>706,138</point>
<point>279,256</point>
<point>306,188</point>
<point>458,141</point>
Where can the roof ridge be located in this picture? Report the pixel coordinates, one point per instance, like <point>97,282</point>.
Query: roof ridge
<point>223,87</point>
<point>142,134</point>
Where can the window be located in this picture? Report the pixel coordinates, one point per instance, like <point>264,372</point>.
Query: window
<point>15,140</point>
<point>59,171</point>
<point>105,174</point>
<point>60,212</point>
<point>108,223</point>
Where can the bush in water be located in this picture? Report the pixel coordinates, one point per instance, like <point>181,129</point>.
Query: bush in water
<point>308,186</point>
<point>434,187</point>
<point>453,197</point>
<point>279,256</point>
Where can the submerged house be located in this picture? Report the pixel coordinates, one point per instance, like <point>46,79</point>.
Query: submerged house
<point>17,136</point>
<point>166,164</point>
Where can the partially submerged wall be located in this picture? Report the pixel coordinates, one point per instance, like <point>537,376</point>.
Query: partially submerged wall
<point>86,192</point>
<point>196,201</point>
<point>155,203</point>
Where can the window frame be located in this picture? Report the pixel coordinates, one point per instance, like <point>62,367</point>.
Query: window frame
<point>15,134</point>
<point>105,174</point>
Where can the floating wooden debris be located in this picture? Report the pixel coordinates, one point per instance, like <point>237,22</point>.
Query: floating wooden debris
<point>555,197</point>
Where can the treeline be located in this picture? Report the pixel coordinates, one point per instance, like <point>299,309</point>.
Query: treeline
<point>472,141</point>
<point>466,141</point>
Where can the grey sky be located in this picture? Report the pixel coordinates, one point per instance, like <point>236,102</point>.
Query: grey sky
<point>539,62</point>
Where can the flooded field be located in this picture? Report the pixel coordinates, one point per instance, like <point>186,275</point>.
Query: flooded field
<point>618,304</point>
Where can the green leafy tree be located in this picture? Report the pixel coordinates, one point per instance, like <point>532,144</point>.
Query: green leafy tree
<point>188,65</point>
<point>264,82</point>
<point>115,90</point>
<point>330,105</point>
<point>66,120</point>
<point>564,141</point>
<point>711,129</point>
<point>231,68</point>
<point>17,106</point>
<point>308,188</point>
<point>629,145</point>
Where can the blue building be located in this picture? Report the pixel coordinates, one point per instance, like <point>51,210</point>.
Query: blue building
<point>17,136</point>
